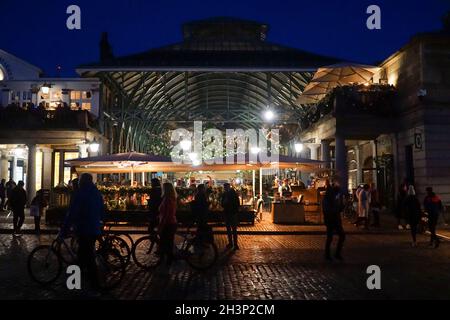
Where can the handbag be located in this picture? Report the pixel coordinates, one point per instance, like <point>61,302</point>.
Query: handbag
<point>34,211</point>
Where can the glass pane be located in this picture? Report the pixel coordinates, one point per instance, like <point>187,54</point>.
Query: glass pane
<point>39,170</point>
<point>56,172</point>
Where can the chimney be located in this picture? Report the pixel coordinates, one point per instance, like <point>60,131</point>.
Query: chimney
<point>106,53</point>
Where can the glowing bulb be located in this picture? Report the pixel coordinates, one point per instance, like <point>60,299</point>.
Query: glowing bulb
<point>269,115</point>
<point>255,150</point>
<point>45,90</point>
<point>94,146</point>
<point>298,147</point>
<point>196,162</point>
<point>193,156</point>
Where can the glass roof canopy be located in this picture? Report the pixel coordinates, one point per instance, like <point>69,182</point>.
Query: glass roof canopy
<point>224,73</point>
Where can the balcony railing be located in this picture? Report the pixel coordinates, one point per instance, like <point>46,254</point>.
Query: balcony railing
<point>376,100</point>
<point>15,117</point>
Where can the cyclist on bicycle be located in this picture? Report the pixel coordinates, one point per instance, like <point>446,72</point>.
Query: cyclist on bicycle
<point>85,214</point>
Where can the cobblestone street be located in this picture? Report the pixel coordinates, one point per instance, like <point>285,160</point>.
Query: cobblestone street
<point>266,267</point>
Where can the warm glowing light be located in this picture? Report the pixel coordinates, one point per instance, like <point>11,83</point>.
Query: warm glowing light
<point>269,115</point>
<point>196,162</point>
<point>298,147</point>
<point>45,90</point>
<point>19,152</point>
<point>186,144</point>
<point>94,146</point>
<point>255,150</point>
<point>238,181</point>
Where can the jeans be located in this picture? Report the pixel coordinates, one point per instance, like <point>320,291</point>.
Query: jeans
<point>18,219</point>
<point>37,224</point>
<point>332,228</point>
<point>86,258</point>
<point>231,222</point>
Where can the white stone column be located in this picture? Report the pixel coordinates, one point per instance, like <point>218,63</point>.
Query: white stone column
<point>314,149</point>
<point>47,170</point>
<point>13,168</point>
<point>4,166</point>
<point>31,172</point>
<point>358,165</point>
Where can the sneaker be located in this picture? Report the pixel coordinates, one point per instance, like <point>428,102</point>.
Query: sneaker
<point>408,227</point>
<point>400,227</point>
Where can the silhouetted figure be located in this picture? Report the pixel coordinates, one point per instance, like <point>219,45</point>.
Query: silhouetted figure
<point>85,214</point>
<point>413,212</point>
<point>153,204</point>
<point>402,192</point>
<point>433,206</point>
<point>200,212</point>
<point>10,185</point>
<point>375,205</point>
<point>2,194</point>
<point>38,205</point>
<point>167,222</point>
<point>18,201</point>
<point>332,206</point>
<point>230,205</point>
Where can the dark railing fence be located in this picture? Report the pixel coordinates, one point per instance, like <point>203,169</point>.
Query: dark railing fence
<point>35,118</point>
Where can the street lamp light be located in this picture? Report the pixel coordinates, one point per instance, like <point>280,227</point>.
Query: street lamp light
<point>255,150</point>
<point>269,115</point>
<point>298,147</point>
<point>94,146</point>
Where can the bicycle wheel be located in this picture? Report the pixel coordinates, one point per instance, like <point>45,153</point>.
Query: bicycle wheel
<point>116,243</point>
<point>110,268</point>
<point>44,265</point>
<point>201,255</point>
<point>144,253</point>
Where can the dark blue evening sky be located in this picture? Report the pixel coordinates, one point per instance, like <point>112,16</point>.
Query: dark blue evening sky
<point>36,30</point>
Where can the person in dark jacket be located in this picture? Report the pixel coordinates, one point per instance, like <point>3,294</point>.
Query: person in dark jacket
<point>433,206</point>
<point>2,194</point>
<point>411,207</point>
<point>153,204</point>
<point>200,211</point>
<point>10,185</point>
<point>17,201</point>
<point>40,202</point>
<point>230,205</point>
<point>85,214</point>
<point>332,207</point>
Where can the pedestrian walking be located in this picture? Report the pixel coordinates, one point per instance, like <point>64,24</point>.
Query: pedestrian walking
<point>230,205</point>
<point>433,206</point>
<point>85,214</point>
<point>332,207</point>
<point>17,202</point>
<point>37,207</point>
<point>167,222</point>
<point>412,212</point>
<point>200,212</point>
<point>401,195</point>
<point>363,207</point>
<point>153,204</point>
<point>10,185</point>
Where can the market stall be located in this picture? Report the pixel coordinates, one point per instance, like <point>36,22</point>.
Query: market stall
<point>128,203</point>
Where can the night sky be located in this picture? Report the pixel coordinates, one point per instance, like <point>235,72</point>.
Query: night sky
<point>36,30</point>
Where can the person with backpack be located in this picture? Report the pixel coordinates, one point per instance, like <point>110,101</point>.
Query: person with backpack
<point>433,206</point>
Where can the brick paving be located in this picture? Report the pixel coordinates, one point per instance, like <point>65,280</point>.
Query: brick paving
<point>266,267</point>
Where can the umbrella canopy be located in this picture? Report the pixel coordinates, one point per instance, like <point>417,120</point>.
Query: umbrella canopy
<point>329,77</point>
<point>143,163</point>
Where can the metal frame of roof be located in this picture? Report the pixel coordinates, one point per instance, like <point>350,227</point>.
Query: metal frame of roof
<point>225,82</point>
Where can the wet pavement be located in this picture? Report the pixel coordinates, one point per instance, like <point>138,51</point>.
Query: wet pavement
<point>266,267</point>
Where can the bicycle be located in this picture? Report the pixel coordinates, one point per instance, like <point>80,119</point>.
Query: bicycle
<point>45,263</point>
<point>199,251</point>
<point>114,241</point>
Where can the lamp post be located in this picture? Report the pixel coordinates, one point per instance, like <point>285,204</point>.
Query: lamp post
<point>94,146</point>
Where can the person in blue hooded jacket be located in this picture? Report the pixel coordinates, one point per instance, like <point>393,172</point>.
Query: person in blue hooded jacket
<point>85,215</point>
